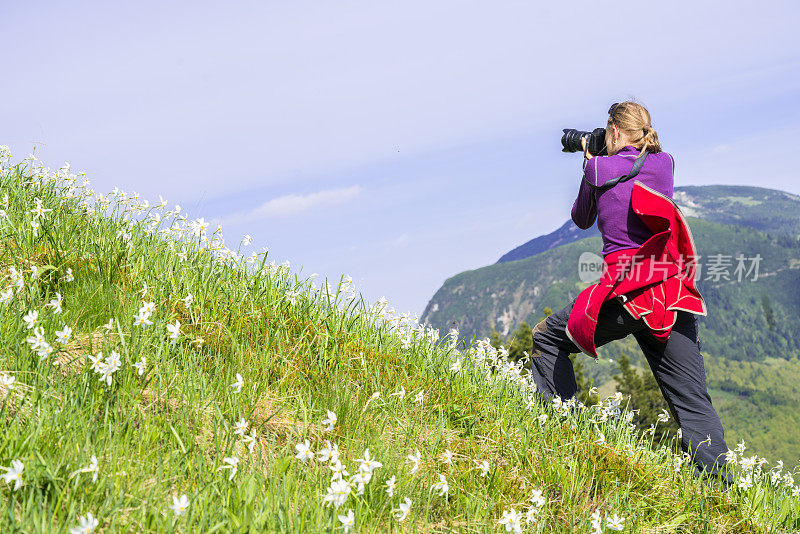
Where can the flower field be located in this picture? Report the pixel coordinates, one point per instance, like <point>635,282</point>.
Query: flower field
<point>152,379</point>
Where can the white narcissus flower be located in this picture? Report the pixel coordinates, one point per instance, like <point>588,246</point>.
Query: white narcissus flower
<point>231,463</point>
<point>97,362</point>
<point>179,505</point>
<point>601,440</point>
<point>348,521</point>
<point>63,336</point>
<point>30,318</point>
<point>402,510</point>
<point>17,278</point>
<point>141,365</point>
<point>6,383</point>
<point>745,482</point>
<point>339,470</point>
<point>615,523</point>
<point>360,481</point>
<point>14,474</point>
<point>304,451</point>
<point>142,319</point>
<point>337,493</point>
<point>188,300</point>
<point>109,367</point>
<point>37,340</point>
<point>538,499</point>
<point>456,366</point>
<point>484,467</point>
<point>44,351</point>
<point>237,385</point>
<point>86,525</point>
<point>512,520</point>
<point>246,240</point>
<point>39,210</point>
<point>368,464</point>
<point>447,457</point>
<point>530,514</point>
<point>55,304</point>
<point>597,522</point>
<point>241,427</point>
<point>329,422</point>
<point>390,484</point>
<point>441,487</point>
<point>6,296</point>
<point>250,440</point>
<point>328,453</point>
<point>114,359</point>
<point>414,459</point>
<point>174,330</point>
<point>93,468</point>
<point>419,397</point>
<point>748,463</point>
<point>400,394</point>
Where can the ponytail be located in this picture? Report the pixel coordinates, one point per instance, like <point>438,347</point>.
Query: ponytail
<point>650,140</point>
<point>634,120</point>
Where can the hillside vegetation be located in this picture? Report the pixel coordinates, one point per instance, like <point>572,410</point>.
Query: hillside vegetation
<point>153,380</point>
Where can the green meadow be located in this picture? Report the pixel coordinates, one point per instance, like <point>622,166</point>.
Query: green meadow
<point>154,380</point>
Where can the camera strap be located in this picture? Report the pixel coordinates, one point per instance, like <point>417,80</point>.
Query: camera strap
<point>637,166</point>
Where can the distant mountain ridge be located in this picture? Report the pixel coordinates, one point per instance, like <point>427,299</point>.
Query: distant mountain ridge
<point>567,233</point>
<point>764,209</point>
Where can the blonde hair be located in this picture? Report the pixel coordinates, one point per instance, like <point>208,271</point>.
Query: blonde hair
<point>634,120</point>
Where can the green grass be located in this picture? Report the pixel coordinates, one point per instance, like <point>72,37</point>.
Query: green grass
<point>301,350</point>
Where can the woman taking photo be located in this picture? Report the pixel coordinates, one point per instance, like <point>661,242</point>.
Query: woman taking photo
<point>647,288</point>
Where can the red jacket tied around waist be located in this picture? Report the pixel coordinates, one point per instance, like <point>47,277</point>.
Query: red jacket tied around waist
<point>654,281</point>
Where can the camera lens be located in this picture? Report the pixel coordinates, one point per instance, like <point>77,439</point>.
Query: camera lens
<point>595,141</point>
<point>571,140</point>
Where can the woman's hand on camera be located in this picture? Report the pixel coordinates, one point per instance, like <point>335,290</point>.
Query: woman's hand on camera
<point>585,149</point>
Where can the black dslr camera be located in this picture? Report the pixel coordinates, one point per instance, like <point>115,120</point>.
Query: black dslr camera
<point>595,141</point>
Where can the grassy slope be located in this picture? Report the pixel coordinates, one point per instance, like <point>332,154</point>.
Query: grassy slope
<point>301,351</point>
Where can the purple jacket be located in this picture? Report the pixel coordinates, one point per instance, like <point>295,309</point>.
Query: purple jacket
<point>618,224</point>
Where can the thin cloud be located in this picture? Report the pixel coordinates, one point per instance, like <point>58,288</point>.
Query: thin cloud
<point>289,205</point>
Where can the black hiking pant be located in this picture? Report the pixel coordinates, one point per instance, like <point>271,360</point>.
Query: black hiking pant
<point>677,366</point>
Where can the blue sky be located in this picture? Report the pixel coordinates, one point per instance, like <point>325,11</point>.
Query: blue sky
<point>399,143</point>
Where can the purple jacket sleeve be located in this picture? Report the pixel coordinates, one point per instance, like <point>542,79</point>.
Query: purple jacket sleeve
<point>584,210</point>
